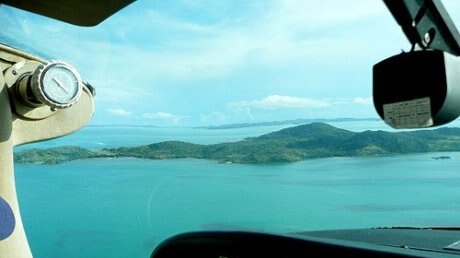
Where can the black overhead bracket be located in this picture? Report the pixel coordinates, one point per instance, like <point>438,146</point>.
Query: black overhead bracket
<point>426,24</point>
<point>420,89</point>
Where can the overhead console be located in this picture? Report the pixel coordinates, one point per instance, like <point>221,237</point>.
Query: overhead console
<point>81,12</point>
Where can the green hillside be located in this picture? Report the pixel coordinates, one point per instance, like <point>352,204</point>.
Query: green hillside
<point>316,140</point>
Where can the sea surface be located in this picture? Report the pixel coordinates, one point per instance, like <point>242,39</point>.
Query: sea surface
<point>125,207</point>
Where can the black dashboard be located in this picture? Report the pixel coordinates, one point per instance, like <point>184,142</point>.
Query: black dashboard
<point>378,242</point>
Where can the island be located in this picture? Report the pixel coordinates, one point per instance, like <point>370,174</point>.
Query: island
<point>441,157</point>
<point>308,141</point>
<point>290,122</point>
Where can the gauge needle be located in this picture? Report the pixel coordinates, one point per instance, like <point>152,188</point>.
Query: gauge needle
<point>60,85</point>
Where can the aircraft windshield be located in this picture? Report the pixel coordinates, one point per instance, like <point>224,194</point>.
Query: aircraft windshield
<point>227,115</point>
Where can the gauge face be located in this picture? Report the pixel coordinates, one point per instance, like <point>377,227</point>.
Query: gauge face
<point>60,84</point>
<point>56,84</point>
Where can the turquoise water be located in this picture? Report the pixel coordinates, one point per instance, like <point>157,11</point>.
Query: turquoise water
<point>125,207</point>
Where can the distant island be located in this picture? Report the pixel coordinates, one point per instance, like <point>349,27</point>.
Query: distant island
<point>441,157</point>
<point>309,141</point>
<point>291,122</point>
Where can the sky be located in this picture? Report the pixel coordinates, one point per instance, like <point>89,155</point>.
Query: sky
<point>207,62</point>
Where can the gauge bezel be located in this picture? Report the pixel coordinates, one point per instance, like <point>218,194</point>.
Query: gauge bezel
<point>38,85</point>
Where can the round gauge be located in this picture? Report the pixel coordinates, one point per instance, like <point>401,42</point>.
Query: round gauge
<point>56,84</point>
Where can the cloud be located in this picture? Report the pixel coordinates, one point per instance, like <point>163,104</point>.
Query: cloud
<point>119,112</point>
<point>325,13</point>
<point>162,116</point>
<point>363,101</point>
<point>273,102</point>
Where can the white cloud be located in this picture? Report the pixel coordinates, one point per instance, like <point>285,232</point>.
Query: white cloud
<point>162,116</point>
<point>119,112</point>
<point>325,13</point>
<point>279,102</point>
<point>363,101</point>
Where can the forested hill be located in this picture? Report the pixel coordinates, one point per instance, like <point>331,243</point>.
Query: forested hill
<point>316,140</point>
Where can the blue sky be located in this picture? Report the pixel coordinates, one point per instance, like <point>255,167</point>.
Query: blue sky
<point>204,62</point>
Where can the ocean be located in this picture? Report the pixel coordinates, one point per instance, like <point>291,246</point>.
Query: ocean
<point>125,207</point>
